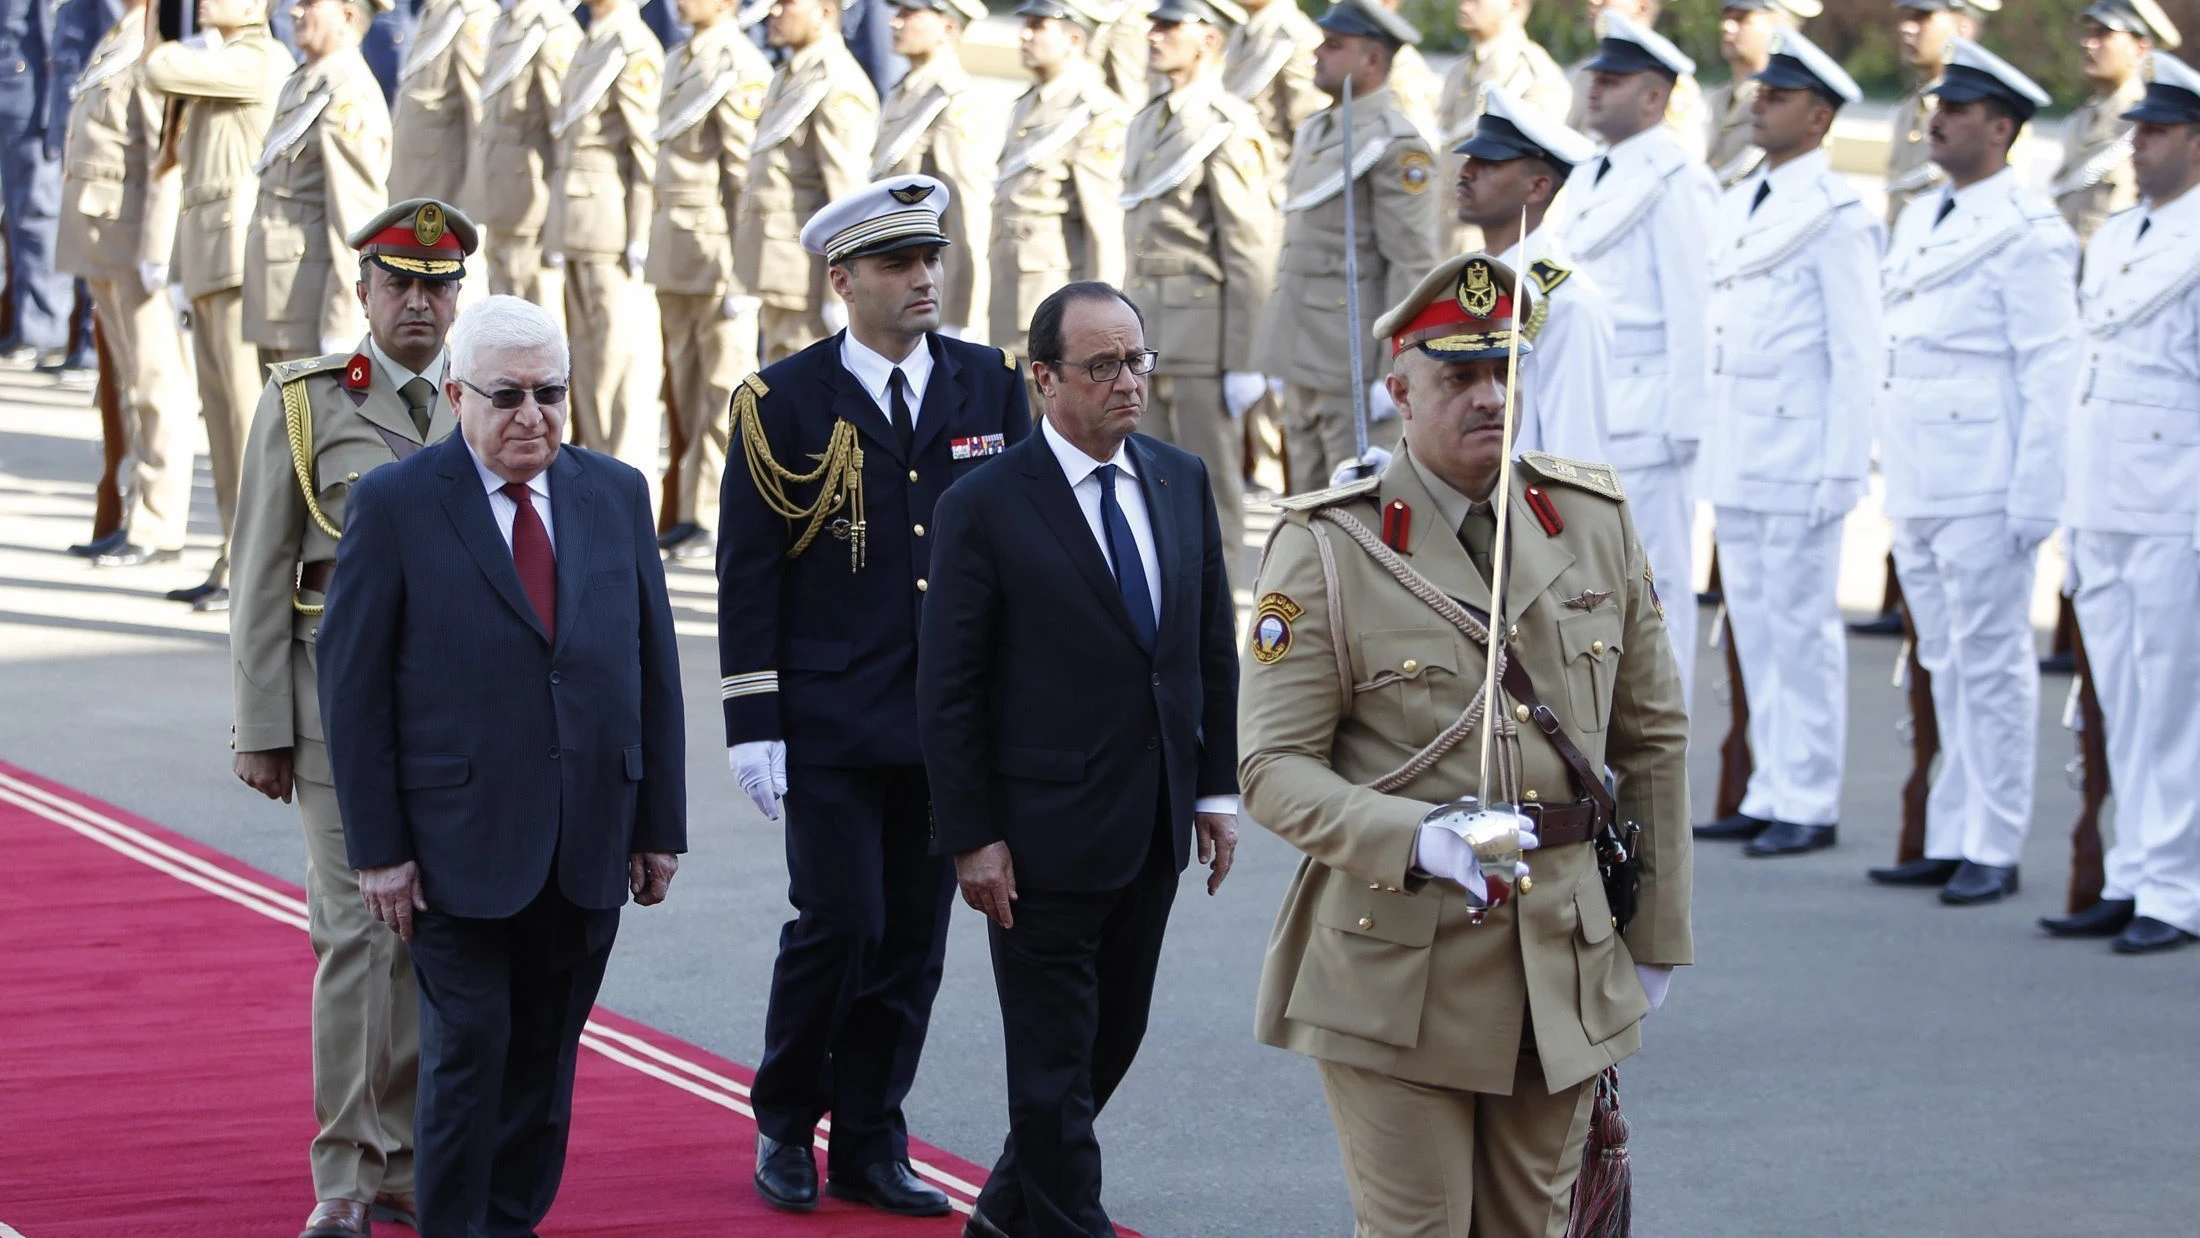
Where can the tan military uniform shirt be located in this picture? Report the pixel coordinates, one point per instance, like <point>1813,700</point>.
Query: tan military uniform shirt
<point>1305,335</point>
<point>1731,154</point>
<point>324,172</point>
<point>813,145</point>
<point>1415,87</point>
<point>1269,63</point>
<point>2095,179</point>
<point>1056,214</point>
<point>522,82</point>
<point>1201,226</point>
<point>1120,51</point>
<point>933,122</point>
<point>1370,963</point>
<point>270,640</point>
<point>106,166</point>
<point>713,94</point>
<point>1910,167</point>
<point>1684,112</point>
<point>229,95</point>
<point>606,134</point>
<point>438,105</point>
<point>1520,66</point>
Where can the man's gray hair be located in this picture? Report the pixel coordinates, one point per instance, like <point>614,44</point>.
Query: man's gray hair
<point>502,323</point>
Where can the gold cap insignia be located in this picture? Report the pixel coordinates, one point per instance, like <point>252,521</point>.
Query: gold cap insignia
<point>428,225</point>
<point>910,195</point>
<point>1478,289</point>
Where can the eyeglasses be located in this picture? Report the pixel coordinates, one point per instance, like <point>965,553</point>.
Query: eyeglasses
<point>1107,369</point>
<point>510,398</point>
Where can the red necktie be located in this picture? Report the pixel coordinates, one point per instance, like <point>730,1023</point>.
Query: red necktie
<point>538,568</point>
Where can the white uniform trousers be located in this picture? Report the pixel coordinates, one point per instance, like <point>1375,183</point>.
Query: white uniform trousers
<point>1664,507</point>
<point>2137,596</point>
<point>1970,598</point>
<point>1780,575</point>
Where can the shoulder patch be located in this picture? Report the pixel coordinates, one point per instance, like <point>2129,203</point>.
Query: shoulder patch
<point>1316,499</point>
<point>1548,274</point>
<point>285,371</point>
<point>1582,474</point>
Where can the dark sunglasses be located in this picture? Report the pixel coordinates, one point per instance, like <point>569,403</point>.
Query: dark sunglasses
<point>510,398</point>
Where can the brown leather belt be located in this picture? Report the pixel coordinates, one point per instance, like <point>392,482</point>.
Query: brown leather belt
<point>315,576</point>
<point>1556,826</point>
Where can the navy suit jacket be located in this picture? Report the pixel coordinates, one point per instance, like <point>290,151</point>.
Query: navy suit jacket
<point>1045,723</point>
<point>815,652</point>
<point>463,738</point>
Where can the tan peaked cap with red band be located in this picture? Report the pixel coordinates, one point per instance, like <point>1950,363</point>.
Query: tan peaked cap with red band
<point>419,237</point>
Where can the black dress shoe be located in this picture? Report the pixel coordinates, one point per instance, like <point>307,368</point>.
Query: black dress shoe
<point>195,592</point>
<point>786,1174</point>
<point>981,1226</point>
<point>1916,873</point>
<point>2105,918</point>
<point>101,545</point>
<point>1979,883</point>
<point>128,555</point>
<point>677,534</point>
<point>213,602</point>
<point>1888,624</point>
<point>2147,935</point>
<point>1710,597</point>
<point>1788,838</point>
<point>1741,827</point>
<point>889,1186</point>
<point>2064,663</point>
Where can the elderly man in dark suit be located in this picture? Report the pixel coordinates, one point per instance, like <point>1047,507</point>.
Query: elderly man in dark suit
<point>501,696</point>
<point>1077,699</point>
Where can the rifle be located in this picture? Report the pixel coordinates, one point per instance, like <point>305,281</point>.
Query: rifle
<point>1924,742</point>
<point>2086,875</point>
<point>1735,762</point>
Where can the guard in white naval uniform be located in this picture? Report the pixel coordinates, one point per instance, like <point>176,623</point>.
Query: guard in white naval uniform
<point>2130,497</point>
<point>1639,222</point>
<point>1518,159</point>
<point>1981,369</point>
<point>1795,357</point>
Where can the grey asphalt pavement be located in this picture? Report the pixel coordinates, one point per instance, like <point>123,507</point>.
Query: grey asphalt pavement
<point>1842,1060</point>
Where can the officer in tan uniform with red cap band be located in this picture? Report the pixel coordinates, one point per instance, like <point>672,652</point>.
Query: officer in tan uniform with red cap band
<point>323,423</point>
<point>1459,1014</point>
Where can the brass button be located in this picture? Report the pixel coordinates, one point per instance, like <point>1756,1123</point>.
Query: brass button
<point>351,477</point>
<point>1615,921</point>
<point>1520,712</point>
<point>1526,884</point>
<point>1391,889</point>
<point>1409,666</point>
<point>1596,647</point>
<point>912,474</point>
<point>1531,795</point>
<point>920,530</point>
<point>1374,885</point>
<point>921,586</point>
<point>1366,922</point>
<point>1512,633</point>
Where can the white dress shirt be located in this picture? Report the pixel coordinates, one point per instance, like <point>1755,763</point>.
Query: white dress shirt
<point>1085,487</point>
<point>875,372</point>
<point>506,511</point>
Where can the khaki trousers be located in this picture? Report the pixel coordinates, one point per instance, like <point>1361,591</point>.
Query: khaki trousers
<point>515,270</point>
<point>146,347</point>
<point>1428,1162</point>
<point>1187,410</point>
<point>600,327</point>
<point>706,354</point>
<point>229,389</point>
<point>787,332</point>
<point>366,1022</point>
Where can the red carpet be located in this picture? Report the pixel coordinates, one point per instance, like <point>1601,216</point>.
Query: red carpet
<point>155,1067</point>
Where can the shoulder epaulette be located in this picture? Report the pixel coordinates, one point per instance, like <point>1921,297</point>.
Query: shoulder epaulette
<point>1548,274</point>
<point>1008,359</point>
<point>285,371</point>
<point>1315,499</point>
<point>1583,474</point>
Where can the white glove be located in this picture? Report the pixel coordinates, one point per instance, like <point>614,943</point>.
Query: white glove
<point>951,331</point>
<point>761,767</point>
<point>2026,533</point>
<point>1241,389</point>
<point>335,344</point>
<point>1445,848</point>
<point>738,306</point>
<point>208,38</point>
<point>1833,498</point>
<point>554,259</point>
<point>1375,461</point>
<point>1275,391</point>
<point>153,275</point>
<point>835,315</point>
<point>1380,407</point>
<point>1656,979</point>
<point>636,255</point>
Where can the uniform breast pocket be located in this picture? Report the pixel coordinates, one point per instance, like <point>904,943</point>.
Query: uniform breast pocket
<point>278,239</point>
<point>1962,444</point>
<point>339,468</point>
<point>100,199</point>
<point>1192,322</point>
<point>1590,643</point>
<point>1611,997</point>
<point>1778,427</point>
<point>1041,246</point>
<point>2151,452</point>
<point>1409,686</point>
<point>1365,971</point>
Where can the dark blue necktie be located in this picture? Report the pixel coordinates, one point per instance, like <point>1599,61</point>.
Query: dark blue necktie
<point>1130,570</point>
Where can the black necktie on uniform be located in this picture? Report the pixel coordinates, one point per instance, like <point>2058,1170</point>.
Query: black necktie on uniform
<point>904,428</point>
<point>2145,224</point>
<point>1764,190</point>
<point>1603,165</point>
<point>1947,207</point>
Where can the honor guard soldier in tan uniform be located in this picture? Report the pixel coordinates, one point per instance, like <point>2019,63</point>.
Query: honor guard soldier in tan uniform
<point>1056,217</point>
<point>323,173</point>
<point>439,100</point>
<point>2095,179</point>
<point>1269,63</point>
<point>813,145</point>
<point>1303,337</point>
<point>1684,113</point>
<point>118,225</point>
<point>1414,86</point>
<point>1922,30</point>
<point>1457,1036</point>
<point>227,87</point>
<point>1502,55</point>
<point>522,81</point>
<point>714,91</point>
<point>933,123</point>
<point>1745,42</point>
<point>597,231</point>
<point>322,424</point>
<point>1118,48</point>
<point>1200,223</point>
